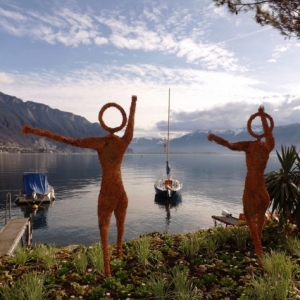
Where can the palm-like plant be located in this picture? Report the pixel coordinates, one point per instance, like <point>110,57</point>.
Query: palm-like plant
<point>283,186</point>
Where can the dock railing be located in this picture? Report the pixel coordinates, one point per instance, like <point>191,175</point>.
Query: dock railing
<point>14,231</point>
<point>7,207</point>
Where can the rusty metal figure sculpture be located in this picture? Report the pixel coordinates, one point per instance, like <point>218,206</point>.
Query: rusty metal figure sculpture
<point>110,149</point>
<point>255,198</point>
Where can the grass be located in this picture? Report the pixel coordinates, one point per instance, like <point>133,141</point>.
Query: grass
<point>95,255</point>
<point>217,263</point>
<point>278,279</point>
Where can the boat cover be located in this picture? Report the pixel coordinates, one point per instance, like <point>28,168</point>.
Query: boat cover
<point>35,182</point>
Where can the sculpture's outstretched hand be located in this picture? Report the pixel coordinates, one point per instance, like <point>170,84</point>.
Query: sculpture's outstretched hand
<point>211,137</point>
<point>27,129</point>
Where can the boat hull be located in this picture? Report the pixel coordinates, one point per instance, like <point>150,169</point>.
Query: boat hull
<point>167,190</point>
<point>36,198</point>
<point>166,193</point>
<point>164,201</point>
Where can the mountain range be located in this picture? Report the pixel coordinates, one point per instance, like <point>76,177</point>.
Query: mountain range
<point>14,113</point>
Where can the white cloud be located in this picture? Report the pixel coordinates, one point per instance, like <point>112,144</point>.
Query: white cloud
<point>94,52</point>
<point>6,79</point>
<point>73,28</point>
<point>279,49</point>
<point>84,91</point>
<point>216,12</point>
<point>100,40</point>
<point>12,15</point>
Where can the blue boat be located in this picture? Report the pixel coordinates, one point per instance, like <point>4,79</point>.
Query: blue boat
<point>35,189</point>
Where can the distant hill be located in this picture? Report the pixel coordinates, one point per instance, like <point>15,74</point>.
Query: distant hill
<point>14,113</point>
<point>197,141</point>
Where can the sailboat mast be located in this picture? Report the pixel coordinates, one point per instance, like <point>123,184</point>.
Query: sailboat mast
<point>168,141</point>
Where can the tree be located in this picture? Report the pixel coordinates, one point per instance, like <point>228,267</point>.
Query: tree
<point>283,187</point>
<point>283,15</point>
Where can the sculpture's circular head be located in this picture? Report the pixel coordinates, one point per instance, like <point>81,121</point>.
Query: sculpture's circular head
<point>100,117</point>
<point>261,113</point>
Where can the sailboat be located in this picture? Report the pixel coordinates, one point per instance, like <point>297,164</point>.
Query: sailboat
<point>168,186</point>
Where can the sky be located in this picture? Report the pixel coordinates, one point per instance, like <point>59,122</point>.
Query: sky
<point>76,56</point>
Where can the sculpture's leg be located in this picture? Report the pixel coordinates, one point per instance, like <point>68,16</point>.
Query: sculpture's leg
<point>260,222</point>
<point>251,221</point>
<point>253,203</point>
<point>103,222</point>
<point>120,214</point>
<point>261,213</point>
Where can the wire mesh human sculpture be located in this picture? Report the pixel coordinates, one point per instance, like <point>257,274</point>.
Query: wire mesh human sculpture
<point>112,196</point>
<point>255,197</point>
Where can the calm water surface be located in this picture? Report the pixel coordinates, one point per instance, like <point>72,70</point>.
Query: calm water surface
<point>211,183</point>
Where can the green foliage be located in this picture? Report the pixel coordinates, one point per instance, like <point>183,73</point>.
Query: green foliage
<point>142,247</point>
<point>278,279</point>
<point>80,262</point>
<point>191,244</point>
<point>79,289</point>
<point>293,245</point>
<point>283,186</point>
<point>241,235</point>
<point>158,285</point>
<point>88,278</point>
<point>211,242</point>
<point>184,288</point>
<point>122,275</point>
<point>28,287</point>
<point>62,271</point>
<point>117,264</point>
<point>230,273</point>
<point>209,279</point>
<point>97,292</point>
<point>228,282</point>
<point>112,283</point>
<point>45,254</point>
<point>21,256</point>
<point>95,255</point>
<point>222,234</point>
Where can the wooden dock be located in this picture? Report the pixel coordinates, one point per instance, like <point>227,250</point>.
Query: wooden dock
<point>13,233</point>
<point>228,221</point>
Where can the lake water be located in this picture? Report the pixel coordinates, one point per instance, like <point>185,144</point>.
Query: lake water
<point>211,183</point>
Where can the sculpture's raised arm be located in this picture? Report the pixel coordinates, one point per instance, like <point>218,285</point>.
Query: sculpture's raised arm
<point>267,128</point>
<point>90,143</point>
<point>239,146</point>
<point>128,135</point>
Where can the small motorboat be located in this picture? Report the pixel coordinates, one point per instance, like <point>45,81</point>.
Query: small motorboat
<point>35,189</point>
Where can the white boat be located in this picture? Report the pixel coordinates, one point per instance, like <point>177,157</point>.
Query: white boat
<point>35,189</point>
<point>168,186</point>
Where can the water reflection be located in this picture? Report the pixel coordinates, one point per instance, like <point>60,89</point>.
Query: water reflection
<point>211,183</point>
<point>168,203</point>
<point>39,215</point>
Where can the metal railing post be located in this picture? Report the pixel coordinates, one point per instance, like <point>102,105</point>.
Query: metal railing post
<point>8,205</point>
